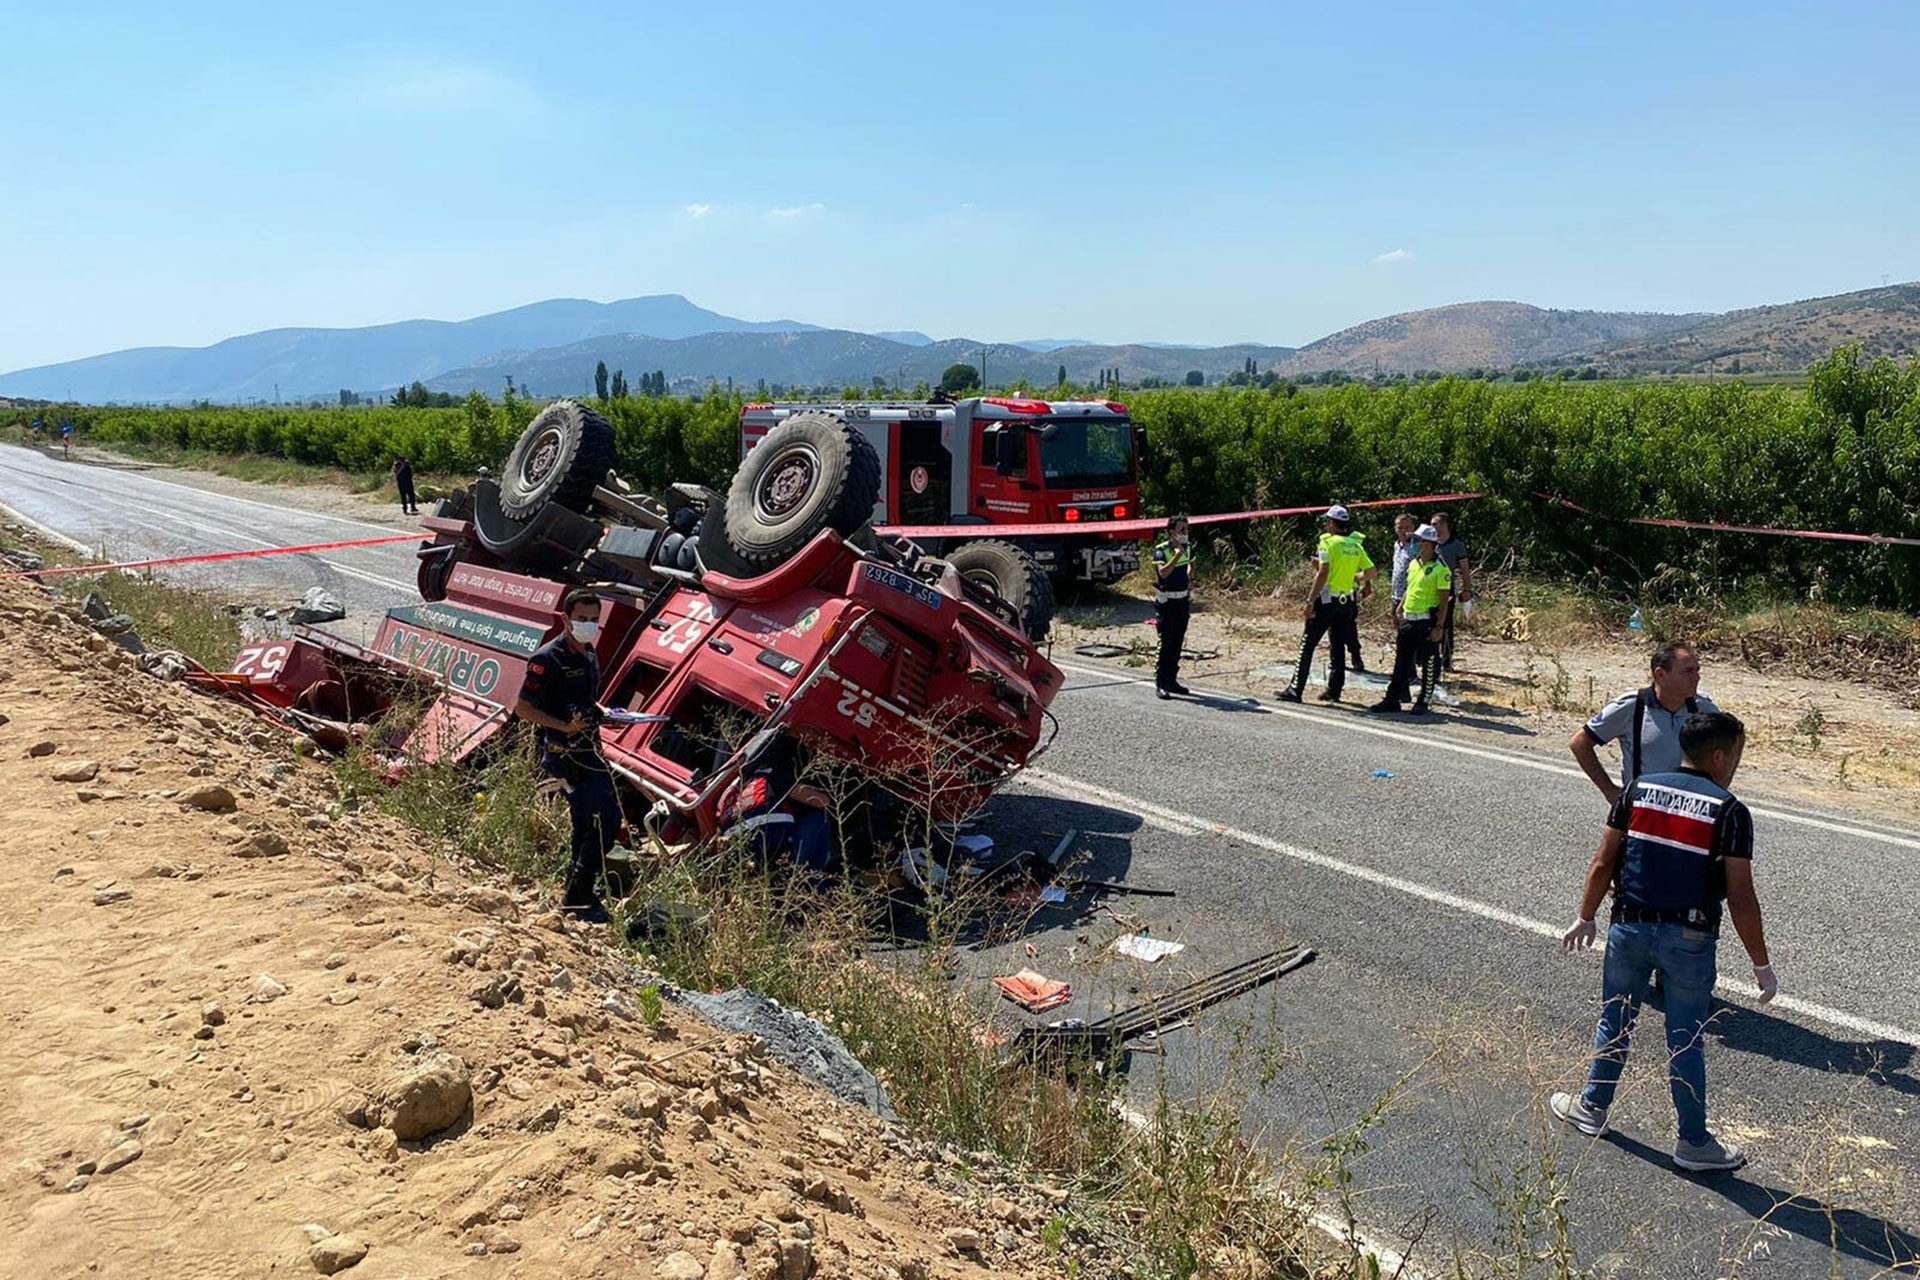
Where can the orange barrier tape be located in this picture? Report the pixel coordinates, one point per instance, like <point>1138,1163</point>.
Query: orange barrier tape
<point>213,556</point>
<point>1154,525</point>
<point>1875,539</point>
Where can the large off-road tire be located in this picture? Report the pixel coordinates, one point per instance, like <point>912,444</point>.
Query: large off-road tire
<point>1015,577</point>
<point>436,566</point>
<point>561,456</point>
<point>811,472</point>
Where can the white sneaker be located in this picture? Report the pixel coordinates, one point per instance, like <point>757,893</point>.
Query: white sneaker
<point>1574,1110</point>
<point>1711,1156</point>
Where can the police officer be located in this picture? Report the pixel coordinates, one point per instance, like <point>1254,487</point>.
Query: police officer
<point>1173,585</point>
<point>561,696</point>
<point>1429,588</point>
<point>1343,579</point>
<point>1677,846</point>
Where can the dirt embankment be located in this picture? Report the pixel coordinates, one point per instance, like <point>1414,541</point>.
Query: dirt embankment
<point>247,1033</point>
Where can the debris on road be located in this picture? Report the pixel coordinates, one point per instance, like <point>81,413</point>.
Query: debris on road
<point>1150,950</point>
<point>1034,992</point>
<point>318,605</point>
<point>1076,1038</point>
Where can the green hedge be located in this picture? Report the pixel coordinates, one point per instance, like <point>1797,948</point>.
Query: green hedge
<point>1843,455</point>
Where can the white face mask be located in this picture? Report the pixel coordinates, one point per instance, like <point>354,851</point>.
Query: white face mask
<point>585,631</point>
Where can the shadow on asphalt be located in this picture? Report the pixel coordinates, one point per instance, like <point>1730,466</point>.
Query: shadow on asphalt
<point>1102,850</point>
<point>1887,1063</point>
<point>1848,1232</point>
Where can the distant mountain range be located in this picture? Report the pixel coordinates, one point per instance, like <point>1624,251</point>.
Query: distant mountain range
<point>310,362</point>
<point>552,348</point>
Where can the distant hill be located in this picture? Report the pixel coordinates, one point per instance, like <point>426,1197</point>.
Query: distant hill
<point>553,347</point>
<point>308,362</point>
<point>1485,335</point>
<point>832,357</point>
<point>1784,338</point>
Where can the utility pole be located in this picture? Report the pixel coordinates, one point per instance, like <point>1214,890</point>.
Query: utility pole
<point>983,368</point>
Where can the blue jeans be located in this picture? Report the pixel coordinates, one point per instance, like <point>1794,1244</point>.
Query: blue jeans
<point>1686,956</point>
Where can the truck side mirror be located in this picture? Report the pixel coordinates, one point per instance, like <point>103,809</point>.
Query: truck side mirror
<point>1139,444</point>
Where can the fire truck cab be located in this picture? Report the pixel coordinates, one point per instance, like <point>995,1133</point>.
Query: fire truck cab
<point>987,462</point>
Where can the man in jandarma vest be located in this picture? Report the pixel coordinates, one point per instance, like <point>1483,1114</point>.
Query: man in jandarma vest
<point>1678,849</point>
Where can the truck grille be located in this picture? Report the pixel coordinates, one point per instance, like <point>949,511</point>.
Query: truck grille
<point>912,670</point>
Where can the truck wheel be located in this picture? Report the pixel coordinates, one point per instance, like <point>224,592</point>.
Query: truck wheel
<point>811,472</point>
<point>436,566</point>
<point>1015,577</point>
<point>561,456</point>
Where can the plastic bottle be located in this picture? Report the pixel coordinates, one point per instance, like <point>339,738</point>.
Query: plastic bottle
<point>1637,622</point>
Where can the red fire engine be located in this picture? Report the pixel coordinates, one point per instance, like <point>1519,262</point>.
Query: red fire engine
<point>731,622</point>
<point>982,462</point>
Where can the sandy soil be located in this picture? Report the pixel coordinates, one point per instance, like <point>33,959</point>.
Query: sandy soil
<point>242,1041</point>
<point>1846,747</point>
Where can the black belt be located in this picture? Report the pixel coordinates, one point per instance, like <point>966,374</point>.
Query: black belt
<point>1695,917</point>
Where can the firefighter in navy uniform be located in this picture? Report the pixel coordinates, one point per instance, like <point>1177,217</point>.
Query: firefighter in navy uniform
<point>1173,585</point>
<point>561,697</point>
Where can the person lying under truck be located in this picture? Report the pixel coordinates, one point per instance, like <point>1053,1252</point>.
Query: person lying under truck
<point>776,815</point>
<point>560,696</point>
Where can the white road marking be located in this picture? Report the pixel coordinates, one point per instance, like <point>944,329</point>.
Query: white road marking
<point>46,531</point>
<point>200,524</point>
<point>1187,824</point>
<point>1349,724</point>
<point>209,493</point>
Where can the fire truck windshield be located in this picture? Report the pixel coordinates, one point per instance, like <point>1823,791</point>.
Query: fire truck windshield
<point>1082,452</point>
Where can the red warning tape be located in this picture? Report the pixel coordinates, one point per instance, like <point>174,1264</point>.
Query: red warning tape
<point>209,558</point>
<point>1875,539</point>
<point>925,531</point>
<point>1154,525</point>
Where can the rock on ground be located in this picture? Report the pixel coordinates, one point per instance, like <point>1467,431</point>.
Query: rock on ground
<point>423,1099</point>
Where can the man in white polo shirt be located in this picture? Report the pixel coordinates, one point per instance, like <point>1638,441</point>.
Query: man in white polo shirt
<point>1646,722</point>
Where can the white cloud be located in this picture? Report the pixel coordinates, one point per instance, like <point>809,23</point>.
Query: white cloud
<point>698,209</point>
<point>1393,255</point>
<point>794,211</point>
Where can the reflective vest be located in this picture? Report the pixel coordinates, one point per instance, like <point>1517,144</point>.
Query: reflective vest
<point>1345,559</point>
<point>1426,579</point>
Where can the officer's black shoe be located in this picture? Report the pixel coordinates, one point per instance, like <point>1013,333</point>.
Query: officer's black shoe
<point>591,913</point>
<point>1182,690</point>
<point>1419,708</point>
<point>1386,704</point>
<point>1359,666</point>
<point>1327,695</point>
<point>1162,694</point>
<point>1289,695</point>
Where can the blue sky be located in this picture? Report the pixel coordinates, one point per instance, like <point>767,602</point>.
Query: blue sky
<point>1203,172</point>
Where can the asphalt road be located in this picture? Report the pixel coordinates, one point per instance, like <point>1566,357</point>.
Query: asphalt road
<point>1433,899</point>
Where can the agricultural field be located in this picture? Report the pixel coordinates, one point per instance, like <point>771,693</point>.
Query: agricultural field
<point>1842,454</point>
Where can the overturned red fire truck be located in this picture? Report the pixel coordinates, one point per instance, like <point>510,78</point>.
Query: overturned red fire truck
<point>730,622</point>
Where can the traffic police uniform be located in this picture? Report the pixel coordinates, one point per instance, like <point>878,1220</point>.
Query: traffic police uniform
<point>1413,642</point>
<point>1335,613</point>
<point>1681,828</point>
<point>565,683</point>
<point>1173,606</point>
